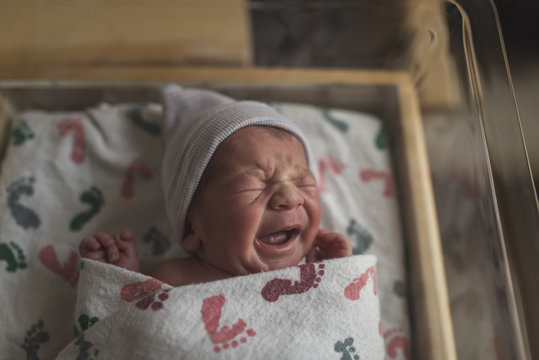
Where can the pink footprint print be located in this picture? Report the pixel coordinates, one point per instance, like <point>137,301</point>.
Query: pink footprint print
<point>78,149</point>
<point>309,278</point>
<point>325,164</point>
<point>368,175</point>
<point>394,340</point>
<point>145,292</point>
<point>353,290</point>
<point>135,169</point>
<point>69,270</point>
<point>212,309</point>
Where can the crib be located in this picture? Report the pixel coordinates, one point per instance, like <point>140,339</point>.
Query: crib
<point>459,164</point>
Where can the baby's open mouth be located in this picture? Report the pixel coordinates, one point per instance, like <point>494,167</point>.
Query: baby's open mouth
<point>279,237</point>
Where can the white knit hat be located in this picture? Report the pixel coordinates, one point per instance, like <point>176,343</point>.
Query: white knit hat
<point>196,122</point>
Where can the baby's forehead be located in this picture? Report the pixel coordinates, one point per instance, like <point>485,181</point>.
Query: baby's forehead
<point>254,143</point>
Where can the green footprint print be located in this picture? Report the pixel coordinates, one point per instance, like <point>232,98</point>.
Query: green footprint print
<point>381,139</point>
<point>347,349</point>
<point>363,237</point>
<point>339,124</point>
<point>136,115</point>
<point>85,322</point>
<point>159,242</point>
<point>35,336</point>
<point>14,257</point>
<point>22,133</point>
<point>92,197</point>
<point>23,215</point>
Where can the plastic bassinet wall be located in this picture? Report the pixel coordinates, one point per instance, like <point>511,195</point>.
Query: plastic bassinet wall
<point>455,52</point>
<point>451,50</point>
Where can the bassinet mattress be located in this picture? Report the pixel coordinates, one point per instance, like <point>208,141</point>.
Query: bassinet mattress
<point>68,175</point>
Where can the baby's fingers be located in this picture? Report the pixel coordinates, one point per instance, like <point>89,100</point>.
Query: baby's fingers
<point>333,245</point>
<point>98,255</point>
<point>326,239</point>
<point>124,242</point>
<point>90,248</point>
<point>88,244</point>
<point>126,235</point>
<point>109,244</point>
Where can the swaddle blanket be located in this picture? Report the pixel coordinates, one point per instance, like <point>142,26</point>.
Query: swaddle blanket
<point>67,175</point>
<point>325,310</point>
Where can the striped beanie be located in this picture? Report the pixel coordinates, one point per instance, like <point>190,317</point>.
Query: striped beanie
<point>196,122</point>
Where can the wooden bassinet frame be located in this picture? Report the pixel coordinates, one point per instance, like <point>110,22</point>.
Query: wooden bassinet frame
<point>388,94</point>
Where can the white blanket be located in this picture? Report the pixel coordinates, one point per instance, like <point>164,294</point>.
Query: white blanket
<point>326,310</point>
<point>68,175</point>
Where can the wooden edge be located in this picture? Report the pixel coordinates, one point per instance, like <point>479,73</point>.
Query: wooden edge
<point>5,126</point>
<point>124,32</point>
<point>2,122</point>
<point>423,237</point>
<point>200,74</point>
<point>426,260</point>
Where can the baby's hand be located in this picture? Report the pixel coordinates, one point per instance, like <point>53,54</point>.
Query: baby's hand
<point>329,245</point>
<point>117,250</point>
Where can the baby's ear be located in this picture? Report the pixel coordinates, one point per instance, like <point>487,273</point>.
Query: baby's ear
<point>191,242</point>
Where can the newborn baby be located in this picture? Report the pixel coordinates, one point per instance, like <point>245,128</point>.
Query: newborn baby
<point>239,191</point>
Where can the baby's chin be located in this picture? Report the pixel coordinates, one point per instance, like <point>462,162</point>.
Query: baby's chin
<point>282,263</point>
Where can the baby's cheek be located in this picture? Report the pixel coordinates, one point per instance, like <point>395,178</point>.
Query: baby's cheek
<point>245,220</point>
<point>314,212</point>
<point>245,200</point>
<point>311,232</point>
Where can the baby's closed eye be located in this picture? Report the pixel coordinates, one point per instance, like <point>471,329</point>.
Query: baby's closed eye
<point>249,184</point>
<point>306,180</point>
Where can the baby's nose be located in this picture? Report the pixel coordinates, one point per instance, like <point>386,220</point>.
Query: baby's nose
<point>286,197</point>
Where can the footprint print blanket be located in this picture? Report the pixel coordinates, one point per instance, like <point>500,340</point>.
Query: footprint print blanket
<point>327,310</point>
<point>70,174</point>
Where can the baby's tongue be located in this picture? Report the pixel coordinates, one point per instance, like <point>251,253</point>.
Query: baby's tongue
<point>277,238</point>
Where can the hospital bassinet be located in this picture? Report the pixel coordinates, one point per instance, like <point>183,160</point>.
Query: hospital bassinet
<point>434,72</point>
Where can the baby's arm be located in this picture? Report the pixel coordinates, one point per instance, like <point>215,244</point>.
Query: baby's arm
<point>117,250</point>
<point>329,245</point>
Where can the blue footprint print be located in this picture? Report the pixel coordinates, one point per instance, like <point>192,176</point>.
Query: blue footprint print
<point>363,237</point>
<point>13,255</point>
<point>339,124</point>
<point>159,242</point>
<point>85,347</point>
<point>22,133</point>
<point>347,349</point>
<point>399,288</point>
<point>35,336</point>
<point>94,199</point>
<point>23,215</point>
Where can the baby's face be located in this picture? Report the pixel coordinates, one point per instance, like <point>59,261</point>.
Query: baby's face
<point>261,210</point>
